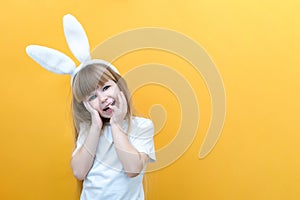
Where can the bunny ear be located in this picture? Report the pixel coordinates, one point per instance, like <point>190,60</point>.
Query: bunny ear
<point>76,38</point>
<point>51,59</point>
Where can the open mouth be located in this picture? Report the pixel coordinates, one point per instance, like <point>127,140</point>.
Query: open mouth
<point>108,107</point>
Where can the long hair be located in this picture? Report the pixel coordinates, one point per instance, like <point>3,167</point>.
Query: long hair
<point>86,81</point>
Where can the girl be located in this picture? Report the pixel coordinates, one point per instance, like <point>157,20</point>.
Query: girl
<point>112,146</point>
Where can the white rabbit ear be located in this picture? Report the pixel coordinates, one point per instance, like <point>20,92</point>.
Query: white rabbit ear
<point>76,38</point>
<point>51,59</point>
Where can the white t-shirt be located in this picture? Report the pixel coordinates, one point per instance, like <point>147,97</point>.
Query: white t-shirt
<point>107,180</point>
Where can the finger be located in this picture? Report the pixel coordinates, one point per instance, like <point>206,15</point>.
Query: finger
<point>85,104</point>
<point>124,102</point>
<point>88,106</point>
<point>121,100</point>
<point>113,107</point>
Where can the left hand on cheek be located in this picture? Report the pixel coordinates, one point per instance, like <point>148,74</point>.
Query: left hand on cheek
<point>119,112</point>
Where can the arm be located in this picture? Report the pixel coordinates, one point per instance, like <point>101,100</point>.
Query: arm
<point>132,160</point>
<point>83,160</point>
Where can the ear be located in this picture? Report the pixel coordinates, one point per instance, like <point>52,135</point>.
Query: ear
<point>51,59</point>
<point>76,38</point>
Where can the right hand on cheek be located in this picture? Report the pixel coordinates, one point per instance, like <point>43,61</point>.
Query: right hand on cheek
<point>96,119</point>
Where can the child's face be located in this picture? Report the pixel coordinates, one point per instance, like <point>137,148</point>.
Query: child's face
<point>104,96</point>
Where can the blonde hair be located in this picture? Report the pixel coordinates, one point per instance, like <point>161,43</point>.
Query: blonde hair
<point>85,82</point>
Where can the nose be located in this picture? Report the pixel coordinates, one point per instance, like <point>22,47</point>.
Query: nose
<point>102,97</point>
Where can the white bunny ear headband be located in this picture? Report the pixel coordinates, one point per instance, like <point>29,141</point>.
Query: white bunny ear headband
<point>59,63</point>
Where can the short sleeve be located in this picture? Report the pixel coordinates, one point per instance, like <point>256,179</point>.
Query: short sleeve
<point>141,137</point>
<point>83,128</point>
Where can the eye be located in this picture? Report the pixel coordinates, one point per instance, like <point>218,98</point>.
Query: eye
<point>106,87</point>
<point>91,98</point>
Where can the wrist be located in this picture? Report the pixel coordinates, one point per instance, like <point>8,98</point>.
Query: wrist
<point>117,127</point>
<point>96,127</point>
<point>115,123</point>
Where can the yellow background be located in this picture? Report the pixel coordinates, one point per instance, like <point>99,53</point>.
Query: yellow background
<point>255,45</point>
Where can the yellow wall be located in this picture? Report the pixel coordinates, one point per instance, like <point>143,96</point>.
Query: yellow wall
<point>254,44</point>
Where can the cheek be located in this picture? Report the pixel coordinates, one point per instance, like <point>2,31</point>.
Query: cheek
<point>95,104</point>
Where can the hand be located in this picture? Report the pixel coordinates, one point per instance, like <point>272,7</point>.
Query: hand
<point>119,112</point>
<point>96,119</point>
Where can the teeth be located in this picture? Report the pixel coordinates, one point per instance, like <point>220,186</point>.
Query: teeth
<point>113,103</point>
